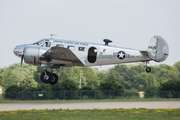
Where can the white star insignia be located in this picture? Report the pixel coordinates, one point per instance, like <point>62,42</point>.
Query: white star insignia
<point>121,55</point>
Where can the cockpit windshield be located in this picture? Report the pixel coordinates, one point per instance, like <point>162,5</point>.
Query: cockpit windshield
<point>40,42</point>
<point>43,43</point>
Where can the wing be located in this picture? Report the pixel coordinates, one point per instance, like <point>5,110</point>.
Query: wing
<point>63,56</point>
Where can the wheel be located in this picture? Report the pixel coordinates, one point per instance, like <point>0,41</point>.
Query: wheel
<point>54,79</point>
<point>148,69</point>
<point>46,78</point>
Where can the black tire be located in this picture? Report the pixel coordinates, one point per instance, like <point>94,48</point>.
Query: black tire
<point>148,69</point>
<point>54,79</point>
<point>46,78</point>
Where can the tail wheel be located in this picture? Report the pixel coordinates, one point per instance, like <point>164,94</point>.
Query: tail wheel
<point>46,77</point>
<point>54,79</point>
<point>148,69</point>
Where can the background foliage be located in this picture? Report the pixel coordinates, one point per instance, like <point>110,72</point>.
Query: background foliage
<point>132,78</point>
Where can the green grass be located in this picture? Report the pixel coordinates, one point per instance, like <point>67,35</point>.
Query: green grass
<point>95,114</point>
<point>103,100</point>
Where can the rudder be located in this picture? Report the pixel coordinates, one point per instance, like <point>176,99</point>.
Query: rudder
<point>158,49</point>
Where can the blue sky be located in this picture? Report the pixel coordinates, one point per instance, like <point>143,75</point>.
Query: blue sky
<point>128,23</point>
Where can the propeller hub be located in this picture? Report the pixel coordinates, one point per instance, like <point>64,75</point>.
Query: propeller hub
<point>18,50</point>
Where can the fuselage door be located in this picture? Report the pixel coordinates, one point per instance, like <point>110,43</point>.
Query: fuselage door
<point>92,54</point>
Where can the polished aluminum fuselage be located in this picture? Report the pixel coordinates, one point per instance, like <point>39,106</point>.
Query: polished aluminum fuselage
<point>106,54</point>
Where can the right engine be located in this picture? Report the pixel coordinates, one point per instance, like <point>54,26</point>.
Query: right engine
<point>33,53</point>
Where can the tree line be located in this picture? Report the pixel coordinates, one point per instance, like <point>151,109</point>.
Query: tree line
<point>131,77</point>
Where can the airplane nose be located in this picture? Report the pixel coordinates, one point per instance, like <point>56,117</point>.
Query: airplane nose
<point>18,50</point>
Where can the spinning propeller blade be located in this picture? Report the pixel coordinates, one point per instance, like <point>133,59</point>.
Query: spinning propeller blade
<point>22,57</point>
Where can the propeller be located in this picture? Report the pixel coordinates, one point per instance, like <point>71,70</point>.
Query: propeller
<point>22,57</point>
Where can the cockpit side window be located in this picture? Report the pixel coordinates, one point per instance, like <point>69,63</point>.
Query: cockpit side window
<point>47,44</point>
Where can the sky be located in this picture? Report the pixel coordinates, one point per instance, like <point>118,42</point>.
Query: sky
<point>128,23</point>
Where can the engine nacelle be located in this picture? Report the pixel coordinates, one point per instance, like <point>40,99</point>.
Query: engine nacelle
<point>33,53</point>
<point>158,49</point>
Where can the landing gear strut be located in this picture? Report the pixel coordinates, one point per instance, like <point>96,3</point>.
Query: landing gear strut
<point>148,69</point>
<point>49,77</point>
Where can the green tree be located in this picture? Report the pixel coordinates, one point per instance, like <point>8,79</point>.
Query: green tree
<point>90,77</point>
<point>177,65</point>
<point>28,82</point>
<point>128,73</point>
<point>15,73</point>
<point>37,74</point>
<point>44,87</point>
<point>165,72</point>
<point>87,92</point>
<point>68,84</point>
<point>22,71</point>
<point>110,85</point>
<point>150,92</point>
<point>71,89</point>
<point>131,94</point>
<point>1,80</point>
<point>76,73</point>
<point>10,78</point>
<point>144,80</point>
<point>170,88</point>
<point>87,88</point>
<point>14,88</point>
<point>12,92</point>
<point>113,75</point>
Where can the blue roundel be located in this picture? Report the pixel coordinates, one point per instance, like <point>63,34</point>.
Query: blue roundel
<point>121,55</point>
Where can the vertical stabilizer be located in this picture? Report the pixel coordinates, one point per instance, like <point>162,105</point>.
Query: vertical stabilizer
<point>158,49</point>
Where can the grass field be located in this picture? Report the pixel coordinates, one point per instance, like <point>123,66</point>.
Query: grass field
<point>104,100</point>
<point>95,114</point>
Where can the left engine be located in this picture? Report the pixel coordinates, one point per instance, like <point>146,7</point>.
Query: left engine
<point>33,53</point>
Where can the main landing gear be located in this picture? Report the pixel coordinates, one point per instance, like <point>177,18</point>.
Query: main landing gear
<point>49,77</point>
<point>148,69</point>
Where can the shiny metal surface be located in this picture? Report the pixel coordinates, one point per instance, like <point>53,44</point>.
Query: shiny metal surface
<point>33,53</point>
<point>63,55</point>
<point>58,52</point>
<point>158,49</point>
<point>109,55</point>
<point>18,50</point>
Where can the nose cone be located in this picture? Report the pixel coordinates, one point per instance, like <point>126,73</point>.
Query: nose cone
<point>18,50</point>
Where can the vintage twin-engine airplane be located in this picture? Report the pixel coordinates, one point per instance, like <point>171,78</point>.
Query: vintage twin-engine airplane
<point>54,53</point>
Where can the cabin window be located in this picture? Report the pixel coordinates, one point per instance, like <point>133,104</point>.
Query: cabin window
<point>92,54</point>
<point>81,48</point>
<point>71,47</point>
<point>60,45</point>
